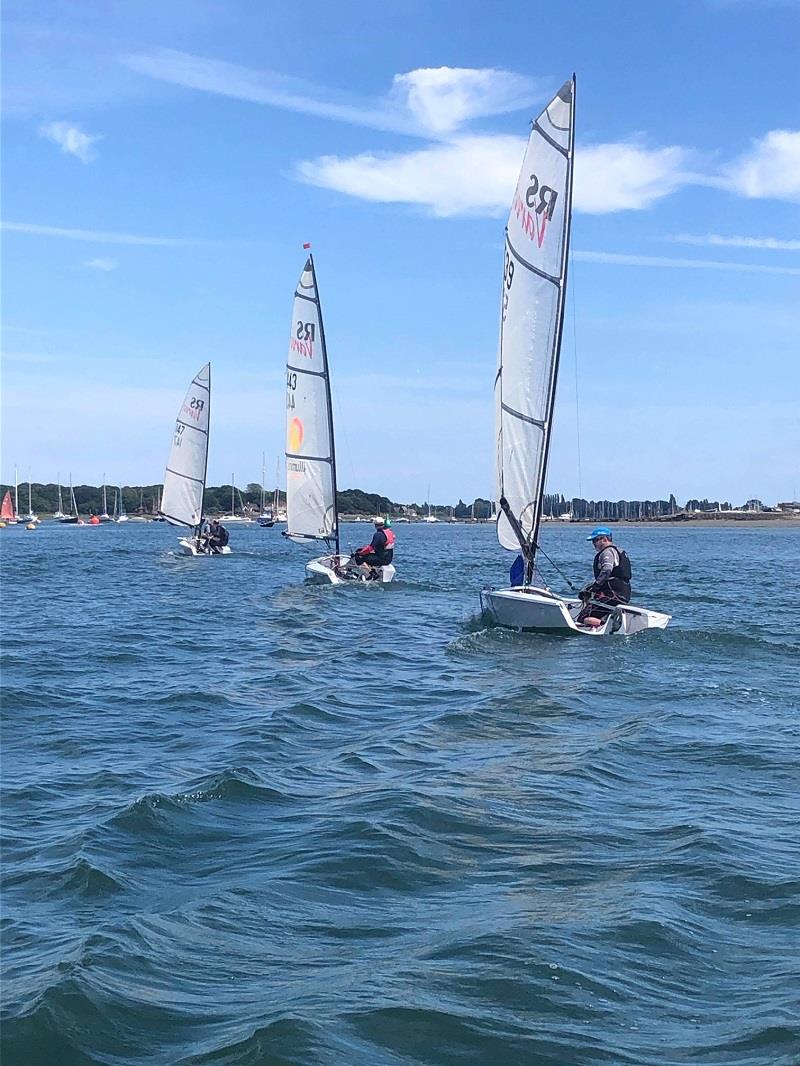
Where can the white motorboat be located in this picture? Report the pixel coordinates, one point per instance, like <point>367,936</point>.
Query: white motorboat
<point>312,513</point>
<point>185,476</point>
<point>531,323</point>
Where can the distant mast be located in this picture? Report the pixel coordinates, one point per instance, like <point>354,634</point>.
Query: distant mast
<point>531,323</point>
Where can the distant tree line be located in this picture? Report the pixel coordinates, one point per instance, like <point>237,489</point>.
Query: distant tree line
<point>144,499</point>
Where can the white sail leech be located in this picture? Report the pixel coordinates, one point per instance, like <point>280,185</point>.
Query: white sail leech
<point>531,313</point>
<point>185,475</point>
<point>310,464</point>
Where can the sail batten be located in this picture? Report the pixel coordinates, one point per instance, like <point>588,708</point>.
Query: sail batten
<point>310,453</point>
<point>185,474</point>
<point>531,320</point>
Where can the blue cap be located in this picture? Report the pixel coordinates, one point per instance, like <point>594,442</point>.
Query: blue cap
<point>599,531</point>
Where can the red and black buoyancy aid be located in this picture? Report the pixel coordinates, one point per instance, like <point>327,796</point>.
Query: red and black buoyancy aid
<point>383,553</point>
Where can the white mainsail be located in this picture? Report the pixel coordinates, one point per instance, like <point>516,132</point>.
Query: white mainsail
<point>310,460</point>
<point>534,284</point>
<point>185,476</point>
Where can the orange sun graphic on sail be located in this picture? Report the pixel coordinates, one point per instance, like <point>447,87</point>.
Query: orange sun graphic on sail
<point>295,435</point>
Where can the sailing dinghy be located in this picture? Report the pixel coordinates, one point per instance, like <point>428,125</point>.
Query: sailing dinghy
<point>311,510</point>
<point>7,513</point>
<point>185,476</point>
<point>531,321</point>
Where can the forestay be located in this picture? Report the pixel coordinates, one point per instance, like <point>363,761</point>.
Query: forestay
<point>310,462</point>
<point>185,476</point>
<point>534,279</point>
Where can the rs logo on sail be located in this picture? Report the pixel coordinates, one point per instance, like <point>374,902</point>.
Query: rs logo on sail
<point>303,340</point>
<point>536,210</point>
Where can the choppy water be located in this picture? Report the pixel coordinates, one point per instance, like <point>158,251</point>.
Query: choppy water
<point>249,821</point>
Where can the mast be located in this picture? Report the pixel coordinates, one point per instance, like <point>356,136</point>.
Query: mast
<point>328,399</point>
<point>60,504</point>
<point>263,478</point>
<point>205,464</point>
<point>233,490</point>
<point>105,496</point>
<point>30,505</point>
<point>562,295</point>
<point>531,323</point>
<point>16,492</point>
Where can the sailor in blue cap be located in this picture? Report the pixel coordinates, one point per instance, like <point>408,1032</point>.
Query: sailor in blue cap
<point>612,578</point>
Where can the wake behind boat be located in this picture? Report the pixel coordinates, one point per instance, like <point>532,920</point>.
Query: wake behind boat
<point>312,514</point>
<point>185,476</point>
<point>531,322</point>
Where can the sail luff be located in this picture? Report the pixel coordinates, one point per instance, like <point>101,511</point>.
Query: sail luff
<point>531,322</point>
<point>562,299</point>
<point>329,403</point>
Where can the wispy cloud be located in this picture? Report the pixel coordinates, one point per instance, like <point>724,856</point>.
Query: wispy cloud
<point>770,169</point>
<point>430,102</point>
<point>27,357</point>
<point>101,264</point>
<point>708,240</point>
<point>476,175</point>
<point>627,177</point>
<point>472,173</point>
<point>619,259</point>
<point>70,139</point>
<point>467,175</point>
<point>97,236</point>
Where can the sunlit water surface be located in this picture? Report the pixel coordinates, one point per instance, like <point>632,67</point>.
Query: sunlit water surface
<point>250,821</point>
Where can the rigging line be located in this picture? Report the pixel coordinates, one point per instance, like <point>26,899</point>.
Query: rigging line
<point>577,403</point>
<point>557,569</point>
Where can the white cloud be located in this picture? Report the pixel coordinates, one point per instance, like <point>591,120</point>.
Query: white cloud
<point>442,99</point>
<point>769,170</point>
<point>101,264</point>
<point>97,236</point>
<point>427,101</point>
<point>626,177</point>
<point>70,139</point>
<point>476,175</point>
<point>714,240</point>
<point>467,175</point>
<point>618,259</point>
<point>471,173</point>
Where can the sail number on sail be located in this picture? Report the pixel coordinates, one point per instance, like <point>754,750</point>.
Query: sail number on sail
<point>291,385</point>
<point>508,277</point>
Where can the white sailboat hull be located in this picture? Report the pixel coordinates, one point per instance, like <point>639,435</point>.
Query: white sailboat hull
<point>189,547</point>
<point>538,609</point>
<point>333,570</point>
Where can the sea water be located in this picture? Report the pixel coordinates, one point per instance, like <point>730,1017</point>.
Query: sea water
<point>251,821</point>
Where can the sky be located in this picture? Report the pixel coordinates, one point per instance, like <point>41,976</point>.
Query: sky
<point>164,162</point>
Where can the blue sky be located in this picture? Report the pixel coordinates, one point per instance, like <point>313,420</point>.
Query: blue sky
<point>164,162</point>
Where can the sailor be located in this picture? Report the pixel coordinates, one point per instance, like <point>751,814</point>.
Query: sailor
<point>612,578</point>
<point>380,550</point>
<point>218,536</point>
